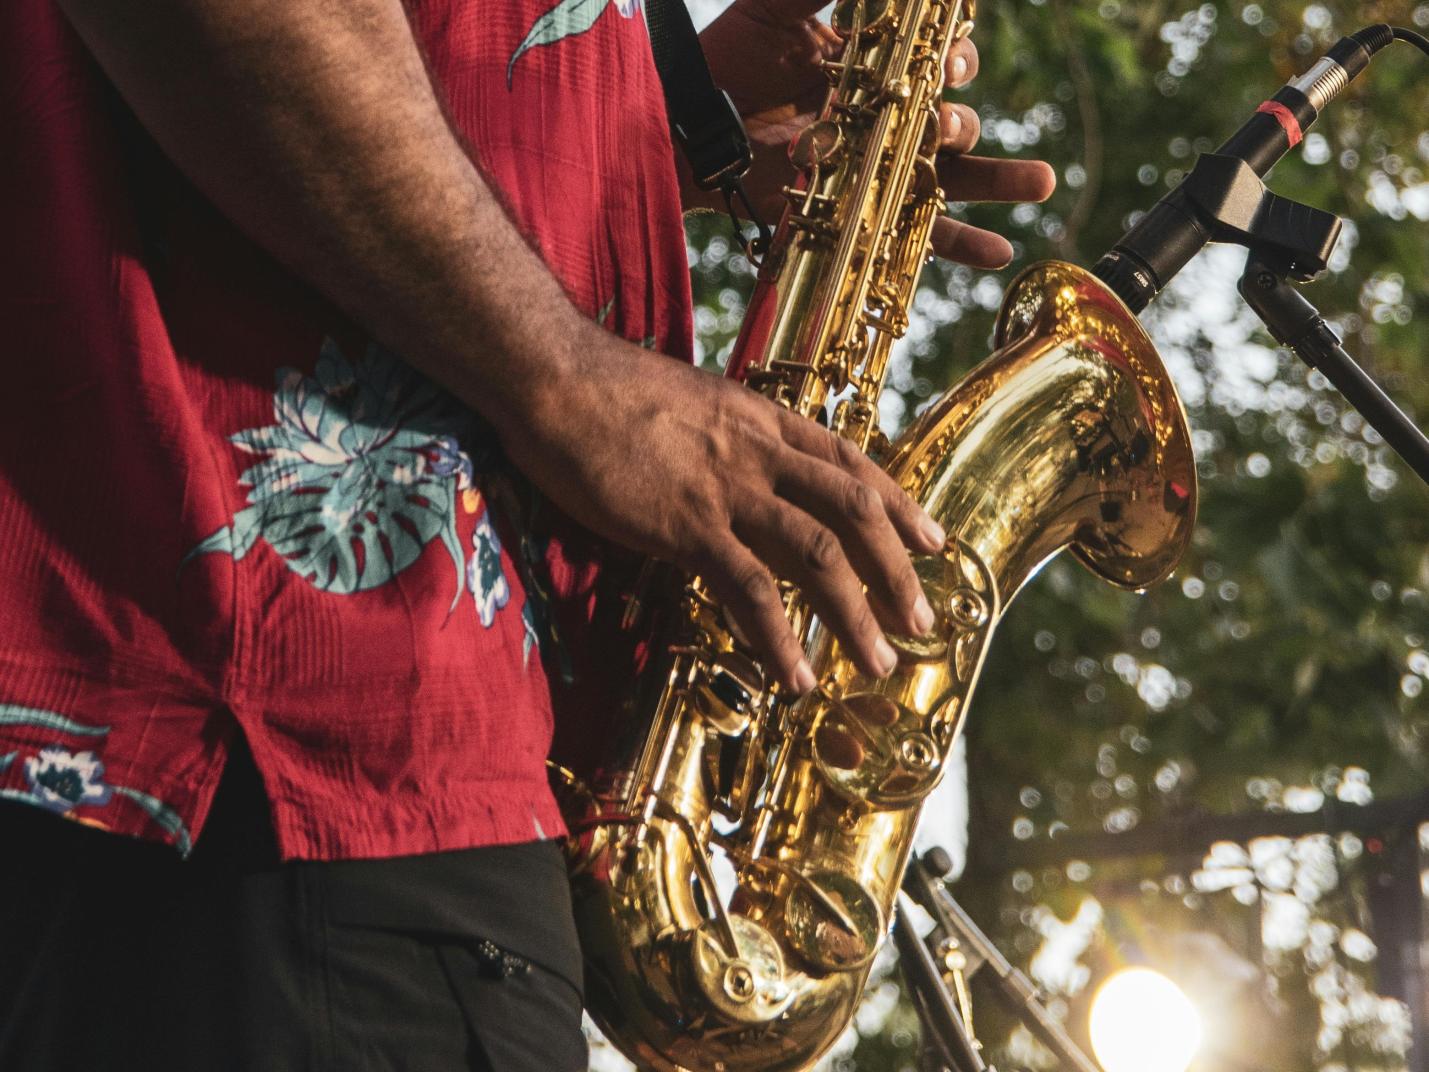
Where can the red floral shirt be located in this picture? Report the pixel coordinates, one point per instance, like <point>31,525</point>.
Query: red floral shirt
<point>223,510</point>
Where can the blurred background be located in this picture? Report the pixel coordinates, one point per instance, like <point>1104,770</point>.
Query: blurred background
<point>1225,779</point>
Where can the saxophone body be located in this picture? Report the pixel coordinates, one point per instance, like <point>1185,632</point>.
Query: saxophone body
<point>736,858</point>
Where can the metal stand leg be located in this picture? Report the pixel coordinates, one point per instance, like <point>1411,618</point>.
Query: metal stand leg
<point>1297,324</point>
<point>936,1005</point>
<point>943,1025</point>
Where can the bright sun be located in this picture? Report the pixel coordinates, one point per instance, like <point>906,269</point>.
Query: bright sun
<point>1142,1022</point>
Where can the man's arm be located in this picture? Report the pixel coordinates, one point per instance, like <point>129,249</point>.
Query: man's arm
<point>314,126</point>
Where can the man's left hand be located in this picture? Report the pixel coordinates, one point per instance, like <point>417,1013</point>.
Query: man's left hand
<point>766,55</point>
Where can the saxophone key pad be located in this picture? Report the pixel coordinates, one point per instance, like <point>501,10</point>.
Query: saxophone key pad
<point>818,143</point>
<point>873,750</point>
<point>832,921</point>
<point>960,588</point>
<point>726,692</point>
<point>749,988</point>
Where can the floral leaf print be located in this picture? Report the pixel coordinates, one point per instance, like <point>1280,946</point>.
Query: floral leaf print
<point>167,819</point>
<point>531,638</point>
<point>61,780</point>
<point>15,715</point>
<point>484,575</point>
<point>567,19</point>
<point>360,471</point>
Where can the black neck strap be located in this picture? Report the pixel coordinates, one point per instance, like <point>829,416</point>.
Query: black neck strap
<point>703,119</point>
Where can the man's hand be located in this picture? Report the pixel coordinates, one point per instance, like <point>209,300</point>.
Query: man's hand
<point>701,471</point>
<point>766,55</point>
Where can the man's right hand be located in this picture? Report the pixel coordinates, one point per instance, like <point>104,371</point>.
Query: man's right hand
<point>703,472</point>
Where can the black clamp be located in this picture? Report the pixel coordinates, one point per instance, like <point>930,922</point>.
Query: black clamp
<point>1236,205</point>
<point>1221,200</point>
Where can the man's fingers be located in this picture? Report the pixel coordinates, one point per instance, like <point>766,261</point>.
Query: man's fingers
<point>917,530</point>
<point>960,127</point>
<point>961,66</point>
<point>855,512</point>
<point>743,584</point>
<point>810,555</point>
<point>982,178</point>
<point>954,240</point>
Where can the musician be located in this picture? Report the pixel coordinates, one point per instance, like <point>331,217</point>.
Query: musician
<point>283,611</point>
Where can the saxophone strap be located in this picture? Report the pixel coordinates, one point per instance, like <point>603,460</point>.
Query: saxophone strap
<point>703,119</point>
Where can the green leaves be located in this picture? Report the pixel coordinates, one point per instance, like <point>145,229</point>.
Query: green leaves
<point>360,472</point>
<point>164,817</point>
<point>16,715</point>
<point>566,19</point>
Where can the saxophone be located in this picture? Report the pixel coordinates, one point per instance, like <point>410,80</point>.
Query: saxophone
<point>1069,436</point>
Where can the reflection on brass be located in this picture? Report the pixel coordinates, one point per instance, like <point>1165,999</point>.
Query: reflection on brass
<point>833,922</point>
<point>727,690</point>
<point>888,764</point>
<point>1069,436</point>
<point>747,989</point>
<point>852,16</point>
<point>816,145</point>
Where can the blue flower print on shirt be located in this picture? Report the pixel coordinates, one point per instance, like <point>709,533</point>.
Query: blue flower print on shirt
<point>62,780</point>
<point>360,470</point>
<point>448,459</point>
<point>484,575</point>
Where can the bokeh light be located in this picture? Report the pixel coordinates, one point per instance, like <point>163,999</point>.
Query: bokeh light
<point>1142,1022</point>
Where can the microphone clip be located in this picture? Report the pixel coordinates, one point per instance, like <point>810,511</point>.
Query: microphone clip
<point>1235,206</point>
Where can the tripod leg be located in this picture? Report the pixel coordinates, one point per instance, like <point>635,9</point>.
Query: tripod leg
<point>942,1025</point>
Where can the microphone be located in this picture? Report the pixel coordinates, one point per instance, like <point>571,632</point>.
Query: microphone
<point>1178,227</point>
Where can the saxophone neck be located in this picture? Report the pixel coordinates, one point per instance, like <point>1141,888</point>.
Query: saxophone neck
<point>1069,435</point>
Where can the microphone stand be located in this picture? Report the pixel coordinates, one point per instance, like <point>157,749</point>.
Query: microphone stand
<point>937,969</point>
<point>1295,323</point>
<point>1288,242</point>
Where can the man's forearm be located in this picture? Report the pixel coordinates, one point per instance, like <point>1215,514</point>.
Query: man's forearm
<point>315,127</point>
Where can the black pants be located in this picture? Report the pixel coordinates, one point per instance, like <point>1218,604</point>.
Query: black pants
<point>116,955</point>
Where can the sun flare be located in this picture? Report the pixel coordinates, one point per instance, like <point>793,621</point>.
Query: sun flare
<point>1142,1022</point>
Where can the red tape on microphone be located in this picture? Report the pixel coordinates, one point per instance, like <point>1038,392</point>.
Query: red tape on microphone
<point>1286,118</point>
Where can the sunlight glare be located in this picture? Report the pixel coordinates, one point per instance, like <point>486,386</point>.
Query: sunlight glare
<point>1142,1022</point>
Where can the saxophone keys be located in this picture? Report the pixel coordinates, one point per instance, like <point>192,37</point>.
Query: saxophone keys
<point>819,143</point>
<point>832,921</point>
<point>872,750</point>
<point>849,15</point>
<point>859,74</point>
<point>897,91</point>
<point>924,187</point>
<point>966,609</point>
<point>727,690</point>
<point>748,988</point>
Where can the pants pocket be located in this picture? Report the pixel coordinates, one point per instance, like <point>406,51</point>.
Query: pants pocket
<point>525,1017</point>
